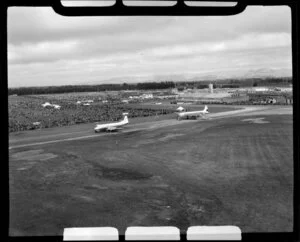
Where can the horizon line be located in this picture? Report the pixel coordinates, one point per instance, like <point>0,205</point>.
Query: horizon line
<point>135,83</point>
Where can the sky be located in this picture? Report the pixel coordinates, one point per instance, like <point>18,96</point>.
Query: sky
<point>47,49</point>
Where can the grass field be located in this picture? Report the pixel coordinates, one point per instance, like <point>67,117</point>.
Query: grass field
<point>233,171</point>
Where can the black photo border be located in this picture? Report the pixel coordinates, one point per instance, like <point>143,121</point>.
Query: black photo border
<point>178,10</point>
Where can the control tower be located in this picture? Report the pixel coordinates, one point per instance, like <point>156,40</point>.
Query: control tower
<point>210,88</point>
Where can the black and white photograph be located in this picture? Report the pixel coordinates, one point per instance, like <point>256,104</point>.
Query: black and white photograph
<point>120,121</point>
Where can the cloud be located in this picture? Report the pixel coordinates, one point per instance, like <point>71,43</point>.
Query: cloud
<point>41,52</point>
<point>31,25</point>
<point>45,47</point>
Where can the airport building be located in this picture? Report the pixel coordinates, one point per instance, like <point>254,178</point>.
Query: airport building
<point>271,98</point>
<point>236,98</point>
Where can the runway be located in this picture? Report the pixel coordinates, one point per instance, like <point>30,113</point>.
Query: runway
<point>50,136</point>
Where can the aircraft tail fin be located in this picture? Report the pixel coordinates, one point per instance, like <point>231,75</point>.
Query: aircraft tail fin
<point>205,110</point>
<point>126,117</point>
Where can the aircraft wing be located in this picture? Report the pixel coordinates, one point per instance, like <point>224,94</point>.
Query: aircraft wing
<point>111,129</point>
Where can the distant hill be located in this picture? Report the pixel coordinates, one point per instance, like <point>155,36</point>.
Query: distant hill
<point>245,74</point>
<point>194,83</point>
<point>267,72</point>
<point>203,76</point>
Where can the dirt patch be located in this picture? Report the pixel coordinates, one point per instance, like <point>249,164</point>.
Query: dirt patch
<point>153,140</point>
<point>85,198</point>
<point>31,155</point>
<point>169,136</point>
<point>23,168</point>
<point>256,120</point>
<point>145,142</point>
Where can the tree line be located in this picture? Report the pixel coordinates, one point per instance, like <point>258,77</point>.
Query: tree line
<point>226,83</point>
<point>89,88</point>
<point>235,83</point>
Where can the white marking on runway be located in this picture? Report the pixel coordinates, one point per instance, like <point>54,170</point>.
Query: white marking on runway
<point>54,141</point>
<point>52,135</point>
<point>68,139</point>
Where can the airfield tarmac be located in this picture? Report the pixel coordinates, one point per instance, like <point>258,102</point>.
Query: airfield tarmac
<point>232,168</point>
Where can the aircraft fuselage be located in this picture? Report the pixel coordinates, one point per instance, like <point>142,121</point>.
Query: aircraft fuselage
<point>192,114</point>
<point>111,126</point>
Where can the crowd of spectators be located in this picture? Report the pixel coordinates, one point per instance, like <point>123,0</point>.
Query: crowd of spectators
<point>26,113</point>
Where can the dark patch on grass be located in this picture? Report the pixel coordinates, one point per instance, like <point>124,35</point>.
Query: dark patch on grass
<point>118,173</point>
<point>132,133</point>
<point>70,156</point>
<point>123,174</point>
